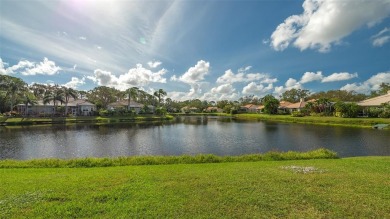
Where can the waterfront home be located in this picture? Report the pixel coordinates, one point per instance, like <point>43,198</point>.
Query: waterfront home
<point>298,106</point>
<point>283,106</point>
<point>376,101</point>
<point>188,109</point>
<point>124,105</point>
<point>213,109</point>
<point>79,107</point>
<point>249,108</point>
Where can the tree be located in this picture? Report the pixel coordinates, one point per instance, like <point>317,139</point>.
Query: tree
<point>55,94</point>
<point>131,93</point>
<point>349,110</point>
<point>383,89</point>
<point>28,98</point>
<point>68,93</point>
<point>339,95</point>
<point>294,95</point>
<point>12,87</point>
<point>102,96</point>
<point>270,103</point>
<point>160,94</point>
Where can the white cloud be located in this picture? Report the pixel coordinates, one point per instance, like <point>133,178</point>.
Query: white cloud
<point>154,64</point>
<point>46,67</point>
<point>381,38</point>
<point>260,89</point>
<point>195,74</point>
<point>311,76</point>
<point>370,85</point>
<point>339,77</point>
<point>75,82</point>
<point>26,67</point>
<point>2,68</point>
<point>135,77</point>
<point>230,77</point>
<point>221,92</point>
<point>326,22</point>
<point>290,84</point>
<point>223,89</point>
<point>82,38</point>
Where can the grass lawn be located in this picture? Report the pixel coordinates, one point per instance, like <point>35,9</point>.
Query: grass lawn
<point>336,188</point>
<point>83,119</point>
<point>318,120</point>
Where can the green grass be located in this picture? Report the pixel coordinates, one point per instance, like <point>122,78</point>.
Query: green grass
<point>85,119</point>
<point>337,188</point>
<point>162,160</point>
<point>318,120</point>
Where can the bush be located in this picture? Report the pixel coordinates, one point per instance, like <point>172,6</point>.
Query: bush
<point>297,114</point>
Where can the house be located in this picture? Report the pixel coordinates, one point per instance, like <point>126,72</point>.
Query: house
<point>249,108</point>
<point>124,105</point>
<point>283,106</point>
<point>260,108</point>
<point>79,107</point>
<point>376,101</point>
<point>297,106</point>
<point>213,109</point>
<point>188,109</point>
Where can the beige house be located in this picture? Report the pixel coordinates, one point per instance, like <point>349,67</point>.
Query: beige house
<point>79,107</point>
<point>249,108</point>
<point>124,104</point>
<point>297,106</point>
<point>213,109</point>
<point>376,101</point>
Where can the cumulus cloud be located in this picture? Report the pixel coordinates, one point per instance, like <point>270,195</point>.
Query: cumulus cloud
<point>381,38</point>
<point>154,64</point>
<point>196,73</point>
<point>371,84</point>
<point>221,92</point>
<point>2,68</point>
<point>82,38</point>
<point>311,76</point>
<point>135,77</point>
<point>260,89</point>
<point>230,77</point>
<point>75,82</point>
<point>291,83</point>
<point>339,77</point>
<point>324,23</point>
<point>25,67</point>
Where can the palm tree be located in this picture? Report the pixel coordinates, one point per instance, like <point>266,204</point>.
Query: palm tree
<point>160,94</point>
<point>28,98</point>
<point>13,87</point>
<point>68,93</point>
<point>132,93</point>
<point>55,94</point>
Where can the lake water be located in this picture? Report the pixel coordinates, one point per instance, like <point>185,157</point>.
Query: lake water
<point>186,135</point>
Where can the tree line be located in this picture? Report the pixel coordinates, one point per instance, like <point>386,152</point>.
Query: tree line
<point>15,91</point>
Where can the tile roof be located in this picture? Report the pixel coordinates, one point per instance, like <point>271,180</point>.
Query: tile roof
<point>376,101</point>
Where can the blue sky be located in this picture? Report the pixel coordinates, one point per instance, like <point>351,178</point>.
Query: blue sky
<point>209,50</point>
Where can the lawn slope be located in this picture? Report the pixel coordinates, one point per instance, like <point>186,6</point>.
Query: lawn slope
<point>331,188</point>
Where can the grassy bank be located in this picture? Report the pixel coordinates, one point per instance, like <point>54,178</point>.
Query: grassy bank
<point>317,120</point>
<point>336,188</point>
<point>163,160</point>
<point>83,119</point>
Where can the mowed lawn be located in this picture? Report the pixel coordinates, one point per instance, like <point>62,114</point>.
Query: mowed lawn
<point>335,188</point>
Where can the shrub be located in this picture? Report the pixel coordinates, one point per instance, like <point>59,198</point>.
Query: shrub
<point>297,114</point>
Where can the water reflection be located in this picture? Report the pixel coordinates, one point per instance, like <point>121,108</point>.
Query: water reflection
<point>186,135</point>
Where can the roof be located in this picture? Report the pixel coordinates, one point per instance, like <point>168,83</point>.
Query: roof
<point>124,103</point>
<point>376,101</point>
<point>283,104</point>
<point>249,106</point>
<point>299,105</point>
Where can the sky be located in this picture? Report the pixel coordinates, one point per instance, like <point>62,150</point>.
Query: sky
<point>198,49</point>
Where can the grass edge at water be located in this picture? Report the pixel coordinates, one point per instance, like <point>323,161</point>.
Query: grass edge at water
<point>162,160</point>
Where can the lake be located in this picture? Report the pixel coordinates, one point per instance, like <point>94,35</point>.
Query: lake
<point>187,135</point>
